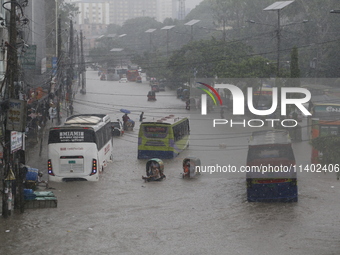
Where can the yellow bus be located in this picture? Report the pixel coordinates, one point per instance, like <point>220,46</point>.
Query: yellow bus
<point>163,138</point>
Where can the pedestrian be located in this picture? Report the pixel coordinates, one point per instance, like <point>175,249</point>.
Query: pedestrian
<point>71,108</point>
<point>40,180</point>
<point>141,117</point>
<point>125,120</point>
<point>52,112</point>
<point>222,113</point>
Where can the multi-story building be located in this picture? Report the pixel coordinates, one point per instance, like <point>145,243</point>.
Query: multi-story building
<point>166,9</point>
<point>122,10</point>
<point>118,11</point>
<point>93,11</point>
<point>34,47</point>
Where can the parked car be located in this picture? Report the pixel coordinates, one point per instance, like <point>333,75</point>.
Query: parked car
<point>117,128</point>
<point>155,88</point>
<point>124,80</point>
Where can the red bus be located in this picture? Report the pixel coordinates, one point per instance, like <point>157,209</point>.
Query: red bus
<point>132,75</point>
<point>324,121</point>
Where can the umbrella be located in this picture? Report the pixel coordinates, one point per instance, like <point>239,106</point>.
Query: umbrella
<point>125,111</point>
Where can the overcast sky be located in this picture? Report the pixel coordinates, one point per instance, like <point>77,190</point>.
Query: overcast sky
<point>192,3</point>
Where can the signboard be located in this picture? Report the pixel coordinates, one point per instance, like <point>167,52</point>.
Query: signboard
<point>16,115</point>
<point>71,136</point>
<point>29,59</point>
<point>16,141</point>
<point>43,66</point>
<point>54,65</point>
<point>327,108</point>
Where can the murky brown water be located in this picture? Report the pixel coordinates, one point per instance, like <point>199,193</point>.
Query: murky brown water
<point>121,214</point>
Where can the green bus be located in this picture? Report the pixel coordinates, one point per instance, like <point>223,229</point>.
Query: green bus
<point>163,138</point>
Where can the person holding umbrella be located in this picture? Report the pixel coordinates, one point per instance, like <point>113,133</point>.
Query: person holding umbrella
<point>125,119</point>
<point>128,123</point>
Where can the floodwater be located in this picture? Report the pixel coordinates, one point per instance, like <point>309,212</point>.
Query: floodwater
<point>209,214</point>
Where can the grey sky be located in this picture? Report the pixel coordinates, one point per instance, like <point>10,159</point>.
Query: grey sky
<point>192,3</point>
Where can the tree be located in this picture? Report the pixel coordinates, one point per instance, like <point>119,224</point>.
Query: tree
<point>329,146</point>
<point>213,58</point>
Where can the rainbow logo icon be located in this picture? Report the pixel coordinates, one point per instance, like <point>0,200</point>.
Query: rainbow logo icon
<point>204,97</point>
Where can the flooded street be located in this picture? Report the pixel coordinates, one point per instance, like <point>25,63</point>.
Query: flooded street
<point>120,214</point>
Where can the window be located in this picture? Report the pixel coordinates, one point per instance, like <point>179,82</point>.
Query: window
<point>180,130</point>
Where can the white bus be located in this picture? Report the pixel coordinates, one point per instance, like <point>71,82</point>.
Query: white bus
<point>80,149</point>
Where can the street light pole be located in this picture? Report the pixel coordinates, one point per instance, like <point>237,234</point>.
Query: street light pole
<point>167,28</point>
<point>150,31</point>
<point>56,28</point>
<point>278,6</point>
<point>191,23</point>
<point>278,43</point>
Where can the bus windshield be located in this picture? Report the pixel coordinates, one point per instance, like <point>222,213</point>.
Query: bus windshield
<point>270,152</point>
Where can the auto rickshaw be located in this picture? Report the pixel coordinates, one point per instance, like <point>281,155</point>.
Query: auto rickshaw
<point>185,94</point>
<point>189,167</point>
<point>154,170</point>
<point>155,87</point>
<point>151,96</point>
<point>103,77</point>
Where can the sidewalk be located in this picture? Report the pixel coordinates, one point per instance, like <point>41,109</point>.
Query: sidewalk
<point>36,151</point>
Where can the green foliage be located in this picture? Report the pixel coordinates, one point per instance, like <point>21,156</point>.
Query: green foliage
<point>100,55</point>
<point>113,29</point>
<point>211,58</point>
<point>68,11</point>
<point>225,45</point>
<point>329,146</point>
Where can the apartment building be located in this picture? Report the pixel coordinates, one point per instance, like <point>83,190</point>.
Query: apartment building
<point>118,11</point>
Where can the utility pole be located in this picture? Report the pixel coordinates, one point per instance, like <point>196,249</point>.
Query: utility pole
<point>59,70</point>
<point>69,78</point>
<point>278,43</point>
<point>78,59</point>
<point>12,79</point>
<point>82,64</point>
